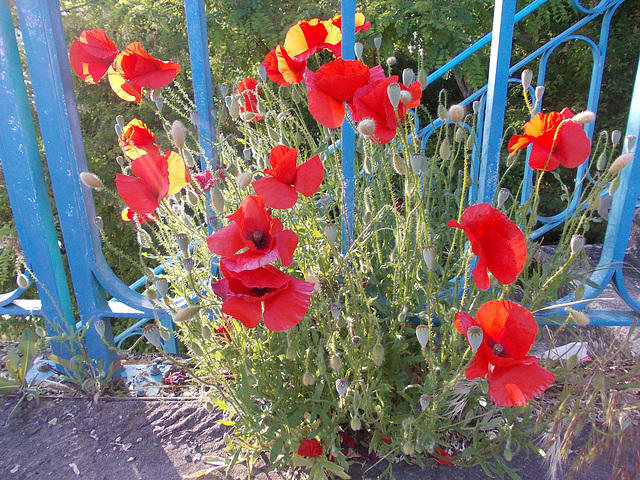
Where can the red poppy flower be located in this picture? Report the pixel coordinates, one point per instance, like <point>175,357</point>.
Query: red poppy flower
<point>347,441</point>
<point>283,69</point>
<point>497,241</point>
<point>129,215</point>
<point>310,448</point>
<point>305,38</point>
<point>334,84</point>
<point>372,102</point>
<point>205,180</point>
<point>156,177</point>
<point>244,293</point>
<point>134,69</point>
<point>249,90</point>
<point>137,140</point>
<point>253,228</point>
<point>92,54</point>
<point>555,141</point>
<point>508,330</point>
<point>336,46</point>
<point>278,189</point>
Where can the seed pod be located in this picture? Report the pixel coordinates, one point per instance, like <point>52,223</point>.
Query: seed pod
<point>503,196</point>
<point>422,333</point>
<point>425,400</point>
<point>159,102</point>
<point>525,79</point>
<point>291,353</point>
<point>616,135</point>
<point>539,92</point>
<point>393,92</point>
<point>262,73</point>
<point>358,49</point>
<point>162,286</point>
<point>630,142</point>
<point>341,387</point>
<point>152,335</point>
<point>100,327</point>
<point>405,97</point>
<point>429,256</point>
<point>377,42</point>
<point>474,337</point>
<point>308,379</point>
<point>417,161</point>
<point>408,77</point>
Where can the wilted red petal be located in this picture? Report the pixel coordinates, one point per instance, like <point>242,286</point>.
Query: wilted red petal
<point>91,55</point>
<point>309,176</point>
<point>143,70</point>
<point>514,386</point>
<point>310,448</point>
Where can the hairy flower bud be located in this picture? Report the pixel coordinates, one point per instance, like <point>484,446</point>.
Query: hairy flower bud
<point>398,164</point>
<point>423,78</point>
<point>577,243</point>
<point>584,117</point>
<point>91,180</point>
<point>244,179</point>
<point>178,134</point>
<point>408,448</point>
<point>391,61</point>
<point>621,162</point>
<point>613,186</point>
<point>187,313</point>
<point>335,362</point>
<point>460,135</point>
<point>525,79</point>
<point>377,355</point>
<point>366,127</point>
<point>341,387</point>
<point>405,97</point>
<point>308,379</point>
<point>217,200</point>
<point>443,114</point>
<point>579,317</point>
<point>456,113</point>
<point>356,424</point>
<point>602,161</point>
<point>445,150</point>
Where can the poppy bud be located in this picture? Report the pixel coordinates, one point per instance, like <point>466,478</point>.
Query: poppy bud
<point>366,127</point>
<point>217,200</point>
<point>377,355</point>
<point>164,333</point>
<point>22,281</point>
<point>456,113</point>
<point>159,104</point>
<point>100,327</point>
<point>367,217</point>
<point>393,91</point>
<point>621,162</point>
<point>445,150</point>
<point>152,334</point>
<point>341,387</point>
<point>377,42</point>
<point>429,255</point>
<point>405,97</point>
<point>507,454</point>
<point>539,92</point>
<point>616,135</point>
<point>358,48</point>
<point>402,316</point>
<point>291,353</point>
<point>417,161</point>
<point>244,179</point>
<point>425,400</point>
<point>602,161</point>
<point>196,349</point>
<point>91,180</point>
<point>206,332</point>
<point>187,313</point>
<point>408,77</point>
<point>423,78</point>
<point>578,317</point>
<point>262,73</point>
<point>308,379</point>
<point>408,448</point>
<point>391,61</point>
<point>442,113</point>
<point>356,424</point>
<point>525,79</point>
<point>579,292</point>
<point>503,196</point>
<point>178,134</point>
<point>162,286</point>
<point>151,294</point>
<point>331,233</point>
<point>232,105</point>
<point>584,117</point>
<point>577,243</point>
<point>41,332</point>
<point>476,106</point>
<point>367,165</point>
<point>262,110</point>
<point>460,135</point>
<point>613,186</point>
<point>97,221</point>
<point>335,362</point>
<point>630,142</point>
<point>398,164</point>
<point>422,333</point>
<point>474,337</point>
<point>188,158</point>
<point>295,96</point>
<point>193,117</point>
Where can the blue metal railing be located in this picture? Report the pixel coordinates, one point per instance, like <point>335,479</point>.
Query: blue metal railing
<point>91,277</point>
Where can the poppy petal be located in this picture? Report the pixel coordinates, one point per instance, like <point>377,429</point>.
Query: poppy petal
<point>246,311</point>
<point>178,176</point>
<point>310,448</point>
<point>226,241</point>
<point>274,193</point>
<point>309,176</point>
<point>478,367</point>
<point>285,309</point>
<point>91,55</point>
<point>514,386</point>
<point>327,111</point>
<point>283,161</point>
<point>153,170</point>
<point>144,70</point>
<point>122,87</point>
<point>136,194</point>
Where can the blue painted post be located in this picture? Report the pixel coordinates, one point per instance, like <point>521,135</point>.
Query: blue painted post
<point>28,195</point>
<point>500,60</point>
<point>348,12</point>
<point>201,73</point>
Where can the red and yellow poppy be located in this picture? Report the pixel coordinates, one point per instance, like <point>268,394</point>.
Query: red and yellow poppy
<point>372,102</point>
<point>265,292</point>
<point>137,140</point>
<point>498,243</point>
<point>249,90</point>
<point>134,69</point>
<point>283,69</point>
<point>334,84</point>
<point>91,55</point>
<point>129,215</point>
<point>284,179</point>
<point>156,177</point>
<point>253,228</point>
<point>555,140</point>
<point>508,331</point>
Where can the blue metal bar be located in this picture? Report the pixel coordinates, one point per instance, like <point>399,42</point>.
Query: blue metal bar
<point>499,62</point>
<point>28,195</point>
<point>348,142</point>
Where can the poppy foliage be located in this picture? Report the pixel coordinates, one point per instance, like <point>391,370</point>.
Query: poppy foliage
<point>498,243</point>
<point>280,187</point>
<point>94,54</point>
<point>508,331</point>
<point>556,141</point>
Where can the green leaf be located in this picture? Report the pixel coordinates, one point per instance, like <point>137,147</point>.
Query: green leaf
<point>221,404</point>
<point>8,386</point>
<point>276,449</point>
<point>228,423</point>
